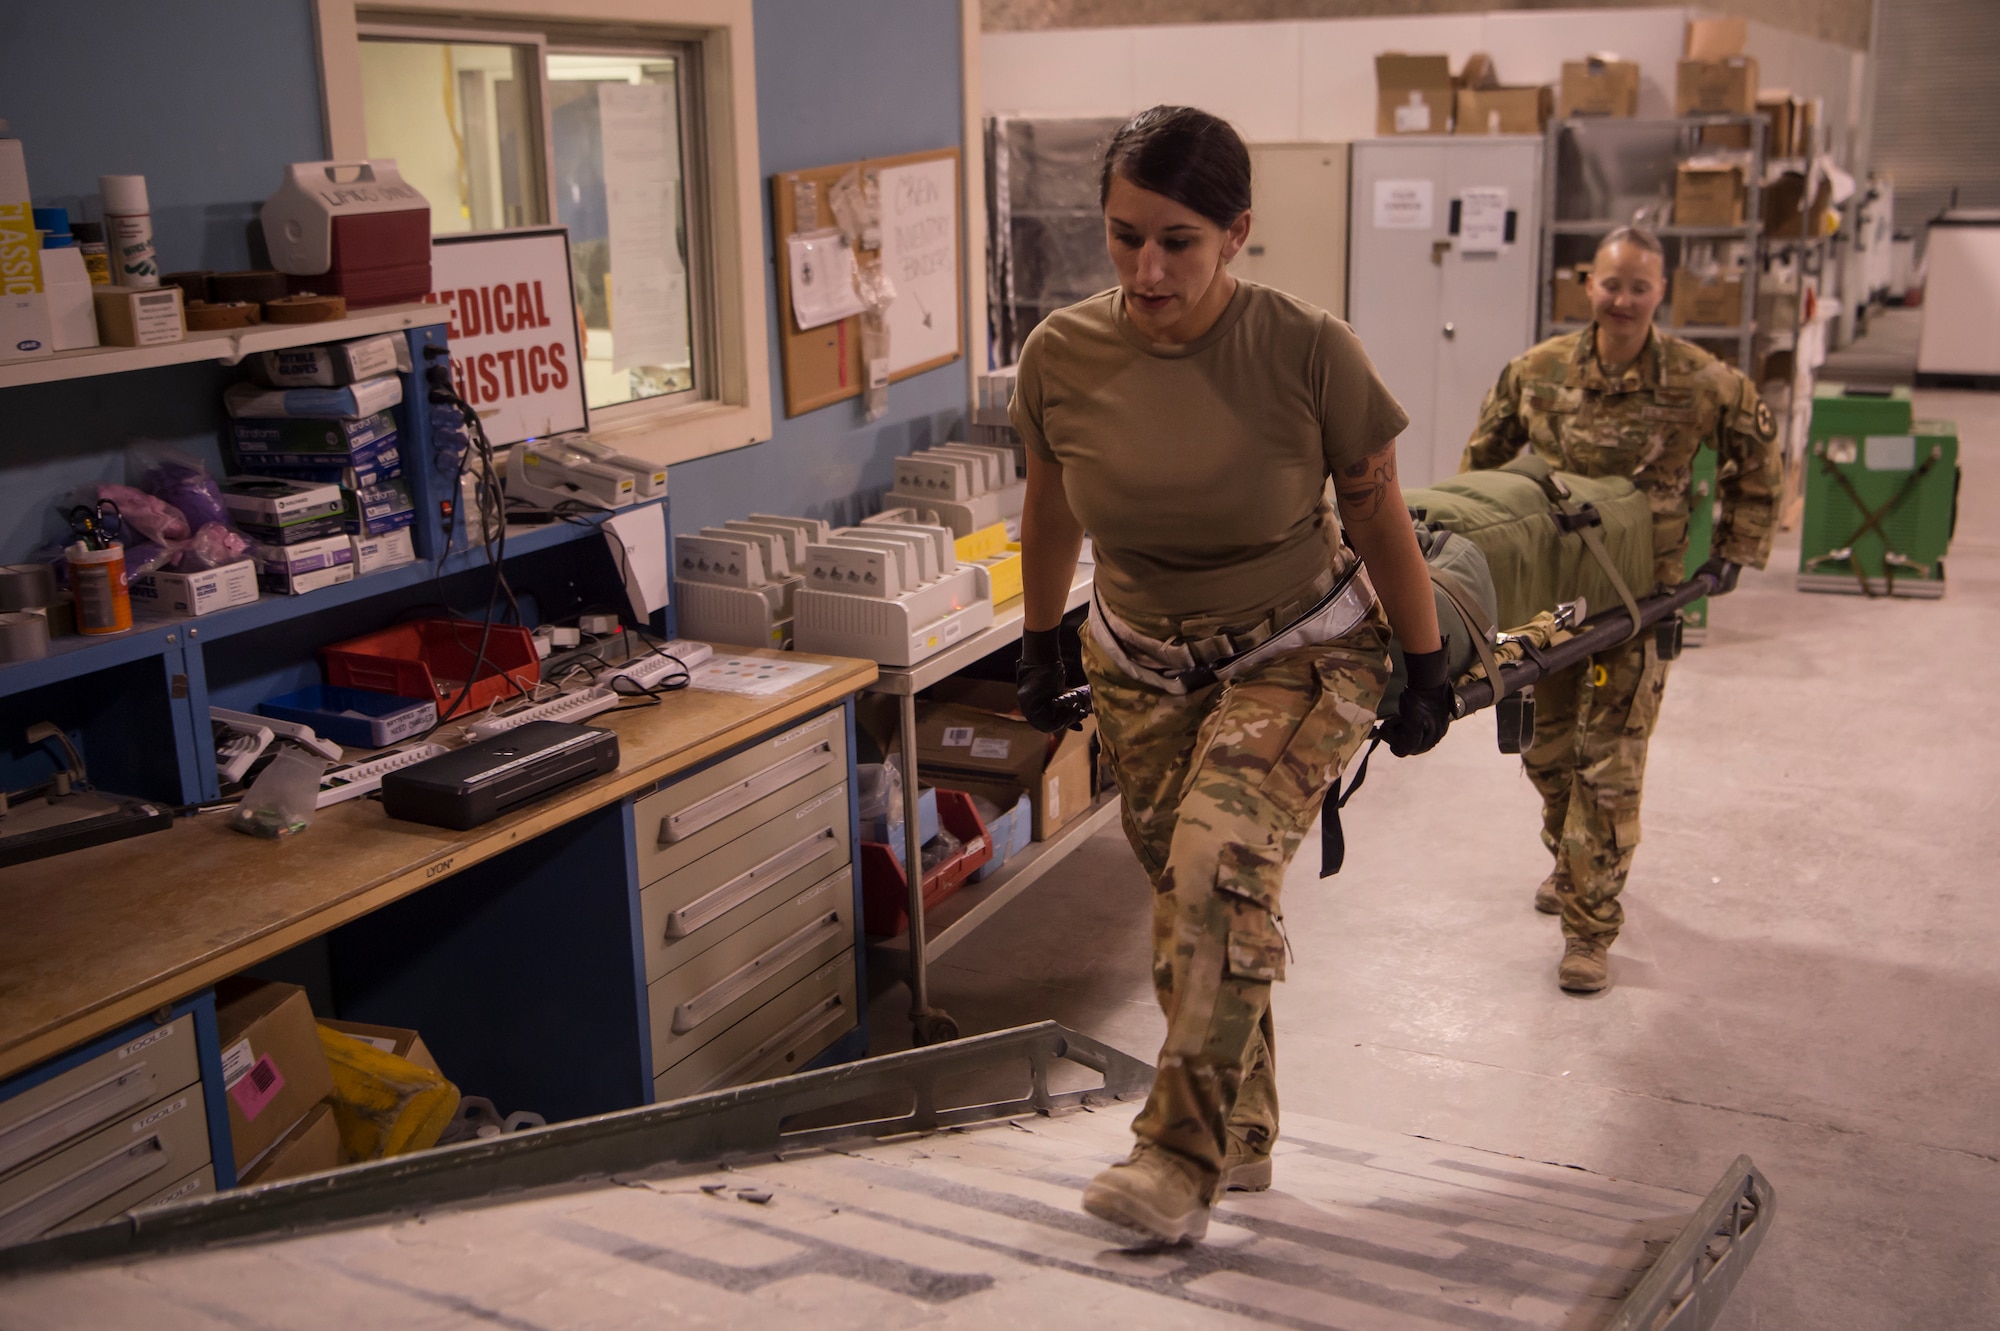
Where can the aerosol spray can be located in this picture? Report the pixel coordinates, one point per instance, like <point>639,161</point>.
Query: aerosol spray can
<point>128,223</point>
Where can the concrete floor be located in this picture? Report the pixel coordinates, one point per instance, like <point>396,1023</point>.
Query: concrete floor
<point>1810,973</point>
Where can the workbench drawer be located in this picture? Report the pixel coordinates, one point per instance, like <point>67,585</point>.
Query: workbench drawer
<point>701,999</point>
<point>200,1183</point>
<point>90,1095</point>
<point>116,1168</point>
<point>780,1037</point>
<point>815,752</point>
<point>691,910</point>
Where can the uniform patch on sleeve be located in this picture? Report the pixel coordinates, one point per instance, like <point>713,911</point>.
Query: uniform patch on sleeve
<point>1767,424</point>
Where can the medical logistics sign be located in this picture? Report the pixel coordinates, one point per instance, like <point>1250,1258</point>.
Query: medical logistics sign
<point>515,353</point>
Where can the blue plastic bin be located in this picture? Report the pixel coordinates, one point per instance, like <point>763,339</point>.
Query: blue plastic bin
<point>353,718</point>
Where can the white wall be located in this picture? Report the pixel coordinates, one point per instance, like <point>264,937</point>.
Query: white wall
<point>1315,79</point>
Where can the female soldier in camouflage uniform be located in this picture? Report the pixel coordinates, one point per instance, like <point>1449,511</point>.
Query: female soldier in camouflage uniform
<point>1621,398</point>
<point>1190,421</point>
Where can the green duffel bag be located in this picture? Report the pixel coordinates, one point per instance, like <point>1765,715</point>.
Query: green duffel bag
<point>1463,590</point>
<point>1548,536</point>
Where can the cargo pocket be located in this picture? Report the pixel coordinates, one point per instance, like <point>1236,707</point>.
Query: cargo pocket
<point>1342,710</point>
<point>1256,943</point>
<point>1625,832</point>
<point>1646,698</point>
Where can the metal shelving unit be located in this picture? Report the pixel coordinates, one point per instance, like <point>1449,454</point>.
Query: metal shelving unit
<point>1604,172</point>
<point>909,955</point>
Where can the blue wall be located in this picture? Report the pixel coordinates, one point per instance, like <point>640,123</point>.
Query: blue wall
<point>839,80</point>
<point>210,100</point>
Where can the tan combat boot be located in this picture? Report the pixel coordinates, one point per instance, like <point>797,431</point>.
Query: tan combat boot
<point>1586,965</point>
<point>1549,896</point>
<point>1155,1192</point>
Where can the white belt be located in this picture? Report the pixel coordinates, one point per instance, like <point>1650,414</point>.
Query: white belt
<point>1172,668</point>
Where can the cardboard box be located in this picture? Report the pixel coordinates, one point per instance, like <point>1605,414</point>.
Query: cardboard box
<point>308,435</point>
<point>171,592</point>
<point>1572,296</point>
<point>1699,301</point>
<point>1413,94</point>
<point>1597,87</point>
<point>1503,110</point>
<point>1734,138</point>
<point>398,1040</point>
<point>273,1068</point>
<point>379,510</point>
<point>1784,215</point>
<point>368,466</point>
<point>138,316</point>
<point>1716,87</point>
<point>336,363</point>
<point>292,570</point>
<point>1781,134</point>
<point>966,744</point>
<point>274,511</point>
<point>311,1147</point>
<point>372,554</point>
<point>1708,194</point>
<point>1715,38</point>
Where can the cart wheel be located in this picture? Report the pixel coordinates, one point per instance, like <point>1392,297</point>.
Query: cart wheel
<point>933,1028</point>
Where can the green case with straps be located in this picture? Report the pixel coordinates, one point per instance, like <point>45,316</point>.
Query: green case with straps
<point>1702,500</point>
<point>1881,496</point>
<point>1536,564</point>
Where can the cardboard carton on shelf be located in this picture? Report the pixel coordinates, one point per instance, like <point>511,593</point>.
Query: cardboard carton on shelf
<point>398,1040</point>
<point>1572,295</point>
<point>1413,94</point>
<point>1708,193</point>
<point>1715,38</point>
<point>964,742</point>
<point>273,1069</point>
<point>1727,86</point>
<point>1599,86</point>
<point>1781,112</point>
<point>1503,110</point>
<point>311,1147</point>
<point>1715,302</point>
<point>1785,215</point>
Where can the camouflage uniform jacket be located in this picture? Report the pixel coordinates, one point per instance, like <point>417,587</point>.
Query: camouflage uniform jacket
<point>1646,424</point>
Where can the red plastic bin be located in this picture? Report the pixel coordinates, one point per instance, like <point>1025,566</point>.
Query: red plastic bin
<point>885,889</point>
<point>431,658</point>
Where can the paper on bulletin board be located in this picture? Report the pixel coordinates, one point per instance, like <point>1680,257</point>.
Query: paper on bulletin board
<point>638,541</point>
<point>1482,219</point>
<point>1403,205</point>
<point>641,136</point>
<point>920,256</point>
<point>822,278</point>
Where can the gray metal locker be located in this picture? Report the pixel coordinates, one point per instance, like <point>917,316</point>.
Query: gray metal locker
<point>1438,319</point>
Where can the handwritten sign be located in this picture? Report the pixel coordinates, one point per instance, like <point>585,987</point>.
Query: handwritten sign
<point>514,353</point>
<point>920,255</point>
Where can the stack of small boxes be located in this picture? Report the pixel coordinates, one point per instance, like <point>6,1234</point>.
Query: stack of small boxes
<point>321,486</point>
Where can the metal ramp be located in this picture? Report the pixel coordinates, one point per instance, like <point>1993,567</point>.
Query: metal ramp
<point>878,1195</point>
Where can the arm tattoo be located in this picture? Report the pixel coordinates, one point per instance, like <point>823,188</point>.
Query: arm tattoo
<point>1361,486</point>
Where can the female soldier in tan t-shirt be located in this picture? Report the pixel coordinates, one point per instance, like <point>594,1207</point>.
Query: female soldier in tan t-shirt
<point>1235,651</point>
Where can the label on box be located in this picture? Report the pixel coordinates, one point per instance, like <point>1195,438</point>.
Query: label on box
<point>957,737</point>
<point>156,317</point>
<point>303,435</point>
<point>255,1089</point>
<point>990,748</point>
<point>375,553</point>
<point>1414,116</point>
<point>236,1061</point>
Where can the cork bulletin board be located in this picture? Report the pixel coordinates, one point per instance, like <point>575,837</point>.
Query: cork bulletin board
<point>923,245</point>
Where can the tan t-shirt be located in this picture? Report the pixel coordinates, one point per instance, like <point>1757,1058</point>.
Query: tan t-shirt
<point>1199,470</point>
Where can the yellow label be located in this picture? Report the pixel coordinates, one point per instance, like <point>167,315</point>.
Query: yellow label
<point>20,250</point>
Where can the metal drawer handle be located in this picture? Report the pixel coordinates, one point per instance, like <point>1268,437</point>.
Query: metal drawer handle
<point>78,1112</point>
<point>710,905</point>
<point>82,1189</point>
<point>825,1013</point>
<point>742,980</point>
<point>702,813</point>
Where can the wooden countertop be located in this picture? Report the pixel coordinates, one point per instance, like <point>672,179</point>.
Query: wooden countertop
<point>100,937</point>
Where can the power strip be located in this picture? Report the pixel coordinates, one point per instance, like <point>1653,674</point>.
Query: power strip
<point>571,707</point>
<point>360,779</point>
<point>291,730</point>
<point>647,670</point>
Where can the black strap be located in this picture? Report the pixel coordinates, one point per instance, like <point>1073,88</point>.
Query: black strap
<point>1871,519</point>
<point>1332,840</point>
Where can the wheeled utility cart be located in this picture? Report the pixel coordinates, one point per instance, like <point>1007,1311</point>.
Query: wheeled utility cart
<point>928,1187</point>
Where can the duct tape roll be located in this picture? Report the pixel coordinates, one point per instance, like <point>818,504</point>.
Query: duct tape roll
<point>202,317</point>
<point>26,586</point>
<point>305,308</point>
<point>24,636</point>
<point>258,285</point>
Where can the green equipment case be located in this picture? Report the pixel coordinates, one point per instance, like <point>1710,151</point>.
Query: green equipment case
<point>1701,537</point>
<point>1881,495</point>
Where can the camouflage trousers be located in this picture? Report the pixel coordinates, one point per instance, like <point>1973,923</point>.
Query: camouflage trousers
<point>1219,787</point>
<point>1592,725</point>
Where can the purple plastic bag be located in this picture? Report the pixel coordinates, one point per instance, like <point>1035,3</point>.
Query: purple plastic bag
<point>186,484</point>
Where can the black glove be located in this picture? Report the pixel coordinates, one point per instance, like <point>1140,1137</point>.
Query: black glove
<point>1721,572</point>
<point>1043,685</point>
<point>1424,710</point>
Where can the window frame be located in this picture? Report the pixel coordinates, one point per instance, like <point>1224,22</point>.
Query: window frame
<point>730,288</point>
